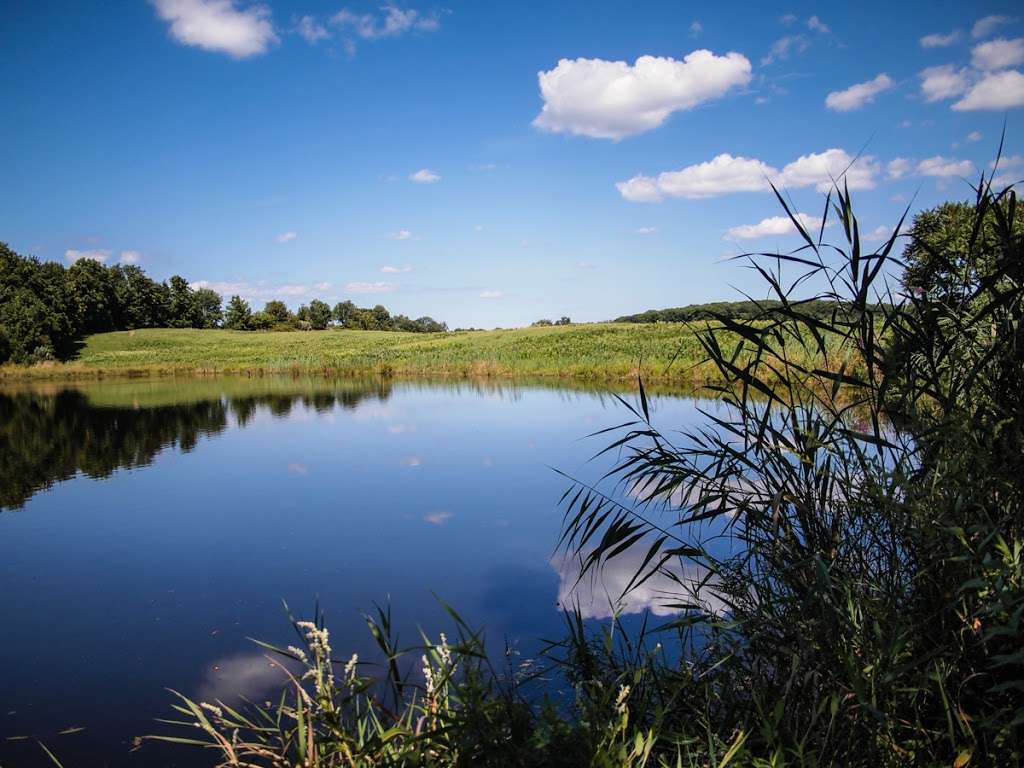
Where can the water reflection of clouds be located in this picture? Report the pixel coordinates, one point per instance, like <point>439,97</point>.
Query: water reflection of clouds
<point>599,593</point>
<point>250,676</point>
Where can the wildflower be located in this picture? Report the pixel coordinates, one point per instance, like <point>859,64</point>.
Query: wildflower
<point>350,668</point>
<point>297,653</point>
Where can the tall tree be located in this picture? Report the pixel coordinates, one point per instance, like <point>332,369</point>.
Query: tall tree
<point>318,314</point>
<point>182,307</point>
<point>207,308</point>
<point>238,315</point>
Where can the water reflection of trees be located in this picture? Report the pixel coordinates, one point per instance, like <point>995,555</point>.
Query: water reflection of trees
<point>47,437</point>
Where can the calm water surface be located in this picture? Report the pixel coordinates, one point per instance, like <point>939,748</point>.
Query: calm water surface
<point>147,529</point>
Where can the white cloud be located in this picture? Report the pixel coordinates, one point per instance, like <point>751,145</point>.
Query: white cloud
<point>879,234</point>
<point>395,270</point>
<point>438,518</point>
<point>262,290</point>
<point>856,96</point>
<point>726,174</point>
<point>612,99</point>
<point>996,90</point>
<point>96,254</point>
<point>1010,161</point>
<point>942,167</point>
<point>787,20</point>
<point>646,230</point>
<point>311,30</point>
<point>722,175</point>
<point>585,265</point>
<point>402,234</point>
<point>998,54</point>
<point>286,237</point>
<point>823,169</point>
<point>218,25</point>
<point>940,41</point>
<point>783,47</point>
<point>696,28</point>
<point>817,25</point>
<point>974,136</point>
<point>492,295</point>
<point>943,82</point>
<point>379,287</point>
<point>775,225</point>
<point>989,24</point>
<point>394,22</point>
<point>130,257</point>
<point>424,176</point>
<point>899,167</point>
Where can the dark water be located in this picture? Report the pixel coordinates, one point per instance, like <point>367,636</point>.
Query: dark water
<point>148,528</point>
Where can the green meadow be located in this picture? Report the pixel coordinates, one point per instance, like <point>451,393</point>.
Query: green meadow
<point>666,352</point>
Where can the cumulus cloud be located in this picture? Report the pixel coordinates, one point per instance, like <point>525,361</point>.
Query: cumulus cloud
<point>311,30</point>
<point>402,234</point>
<point>613,99</point>
<point>379,287</point>
<point>219,25</point>
<point>989,24</point>
<point>96,254</point>
<point>726,174</point>
<point>899,167</point>
<point>940,41</point>
<point>996,90</point>
<point>130,257</point>
<point>943,82</point>
<point>998,54</point>
<point>491,294</point>
<point>775,225</point>
<point>286,237</point>
<point>392,22</point>
<point>856,96</point>
<point>879,234</point>
<point>424,176</point>
<point>942,167</point>
<point>395,270</point>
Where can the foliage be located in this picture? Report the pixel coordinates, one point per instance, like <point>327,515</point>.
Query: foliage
<point>237,314</point>
<point>848,544</point>
<point>821,309</point>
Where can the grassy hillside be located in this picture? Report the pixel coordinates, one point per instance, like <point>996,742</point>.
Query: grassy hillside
<point>596,352</point>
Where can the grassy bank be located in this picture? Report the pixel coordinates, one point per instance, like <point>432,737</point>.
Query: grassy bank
<point>598,352</point>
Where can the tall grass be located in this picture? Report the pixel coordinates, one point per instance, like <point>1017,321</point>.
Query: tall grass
<point>845,537</point>
<point>850,531</point>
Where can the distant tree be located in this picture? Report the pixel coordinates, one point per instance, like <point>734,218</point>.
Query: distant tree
<point>261,321</point>
<point>141,301</point>
<point>343,312</point>
<point>208,311</point>
<point>238,315</point>
<point>90,284</point>
<point>541,322</point>
<point>381,318</point>
<point>181,311</point>
<point>430,325</point>
<point>563,321</point>
<point>318,314</point>
<point>278,312</point>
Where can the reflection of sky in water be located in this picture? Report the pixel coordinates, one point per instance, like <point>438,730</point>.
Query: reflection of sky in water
<point>154,576</point>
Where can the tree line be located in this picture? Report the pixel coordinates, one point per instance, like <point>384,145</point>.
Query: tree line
<point>734,310</point>
<point>46,308</point>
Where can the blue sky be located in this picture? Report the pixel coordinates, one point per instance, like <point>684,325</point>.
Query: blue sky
<point>487,164</point>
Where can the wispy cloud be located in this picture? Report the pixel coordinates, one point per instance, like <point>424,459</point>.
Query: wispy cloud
<point>311,30</point>
<point>491,294</point>
<point>987,25</point>
<point>401,234</point>
<point>286,237</point>
<point>856,96</point>
<point>940,41</point>
<point>379,287</point>
<point>395,270</point>
<point>263,290</point>
<point>130,258</point>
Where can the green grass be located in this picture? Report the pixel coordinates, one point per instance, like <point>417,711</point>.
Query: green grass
<point>598,352</point>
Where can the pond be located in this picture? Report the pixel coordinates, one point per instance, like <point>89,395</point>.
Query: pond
<point>148,528</point>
